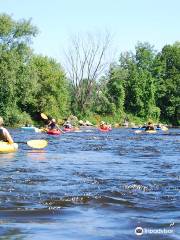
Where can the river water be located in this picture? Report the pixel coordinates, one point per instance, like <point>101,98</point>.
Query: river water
<point>91,185</point>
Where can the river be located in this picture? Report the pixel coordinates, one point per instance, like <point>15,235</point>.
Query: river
<point>92,185</point>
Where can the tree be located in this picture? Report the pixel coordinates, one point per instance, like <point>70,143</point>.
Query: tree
<point>52,95</point>
<point>85,63</point>
<point>101,103</point>
<point>131,84</point>
<point>145,56</point>
<point>115,86</point>
<point>28,83</point>
<point>167,73</point>
<point>139,85</point>
<point>14,56</point>
<point>13,34</point>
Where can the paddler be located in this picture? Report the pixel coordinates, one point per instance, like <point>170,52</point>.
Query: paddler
<point>149,126</point>
<point>103,125</point>
<point>52,125</point>
<point>4,134</point>
<point>67,124</point>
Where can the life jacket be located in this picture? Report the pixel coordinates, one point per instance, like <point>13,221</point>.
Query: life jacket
<point>52,126</point>
<point>149,128</point>
<point>67,125</point>
<point>104,127</point>
<point>2,136</point>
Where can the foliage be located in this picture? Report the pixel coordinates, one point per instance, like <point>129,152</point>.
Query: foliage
<point>17,118</point>
<point>140,86</point>
<point>115,89</point>
<point>29,84</point>
<point>131,84</point>
<point>51,93</point>
<point>167,73</point>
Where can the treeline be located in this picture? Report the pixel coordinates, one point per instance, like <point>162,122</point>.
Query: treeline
<point>29,83</point>
<point>144,84</point>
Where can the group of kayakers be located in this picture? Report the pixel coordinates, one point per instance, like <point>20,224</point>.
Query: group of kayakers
<point>51,125</point>
<point>67,125</point>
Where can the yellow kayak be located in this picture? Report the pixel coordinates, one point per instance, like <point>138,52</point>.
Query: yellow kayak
<point>8,148</point>
<point>163,128</point>
<point>150,131</point>
<point>143,131</point>
<point>41,130</point>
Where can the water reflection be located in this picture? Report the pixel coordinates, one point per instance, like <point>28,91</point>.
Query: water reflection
<point>6,159</point>
<point>37,155</point>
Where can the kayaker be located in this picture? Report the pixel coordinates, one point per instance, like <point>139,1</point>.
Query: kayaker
<point>4,134</point>
<point>52,125</point>
<point>67,124</point>
<point>103,125</point>
<point>150,126</point>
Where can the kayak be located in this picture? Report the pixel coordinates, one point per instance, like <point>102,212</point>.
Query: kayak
<point>8,148</point>
<point>41,130</point>
<point>68,129</point>
<point>105,129</point>
<point>138,128</point>
<point>156,129</point>
<point>148,131</point>
<point>163,128</point>
<point>54,132</point>
<point>30,128</point>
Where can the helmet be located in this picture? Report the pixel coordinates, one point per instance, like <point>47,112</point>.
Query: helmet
<point>53,120</point>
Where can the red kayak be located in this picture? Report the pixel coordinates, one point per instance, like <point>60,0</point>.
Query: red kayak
<point>107,129</point>
<point>53,132</point>
<point>68,129</point>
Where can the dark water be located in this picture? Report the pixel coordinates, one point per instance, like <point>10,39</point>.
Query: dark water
<point>92,185</point>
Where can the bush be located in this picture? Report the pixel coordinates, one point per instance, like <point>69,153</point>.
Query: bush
<point>17,118</point>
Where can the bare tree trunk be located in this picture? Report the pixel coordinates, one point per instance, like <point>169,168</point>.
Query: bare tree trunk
<point>85,63</point>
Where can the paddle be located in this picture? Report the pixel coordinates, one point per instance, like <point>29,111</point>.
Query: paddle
<point>35,143</point>
<point>44,116</point>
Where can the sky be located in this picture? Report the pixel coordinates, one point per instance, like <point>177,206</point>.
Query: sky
<point>128,21</point>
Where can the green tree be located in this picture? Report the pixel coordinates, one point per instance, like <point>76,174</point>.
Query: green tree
<point>52,94</point>
<point>15,37</point>
<point>140,88</point>
<point>101,102</point>
<point>145,56</point>
<point>167,73</point>
<point>115,86</point>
